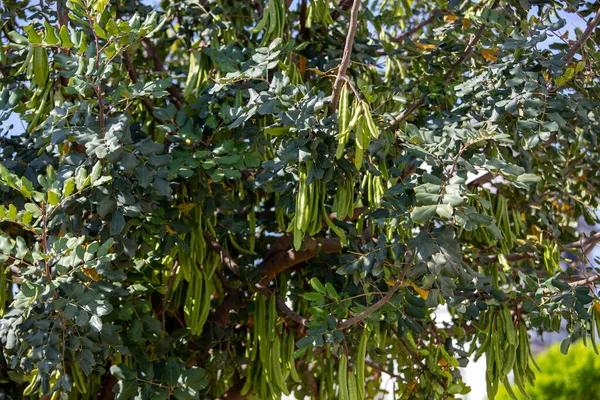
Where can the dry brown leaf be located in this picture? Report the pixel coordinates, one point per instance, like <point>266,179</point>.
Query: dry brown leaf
<point>450,18</point>
<point>425,46</point>
<point>490,54</point>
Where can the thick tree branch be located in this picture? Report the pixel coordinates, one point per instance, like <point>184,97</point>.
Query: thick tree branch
<point>339,80</point>
<point>235,392</point>
<point>482,180</point>
<point>108,384</point>
<point>586,34</point>
<point>280,261</point>
<point>62,13</point>
<point>232,265</point>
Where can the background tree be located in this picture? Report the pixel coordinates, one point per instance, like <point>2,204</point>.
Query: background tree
<point>575,379</point>
<point>232,199</point>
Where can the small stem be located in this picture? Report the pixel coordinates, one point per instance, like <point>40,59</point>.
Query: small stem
<point>586,34</point>
<point>337,85</point>
<point>167,289</point>
<point>45,249</point>
<point>376,306</point>
<point>447,76</point>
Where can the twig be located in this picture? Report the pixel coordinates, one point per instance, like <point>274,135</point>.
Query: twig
<point>173,90</point>
<point>586,34</point>
<point>337,85</point>
<point>420,26</point>
<point>134,79</point>
<point>483,179</point>
<point>294,316</point>
<point>447,76</point>
<point>381,302</point>
<point>585,281</point>
<point>225,257</point>
<point>583,242</point>
<point>98,86</point>
<point>510,257</point>
<point>379,368</point>
<point>167,289</point>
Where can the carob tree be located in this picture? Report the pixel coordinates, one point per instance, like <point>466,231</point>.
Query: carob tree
<point>251,199</point>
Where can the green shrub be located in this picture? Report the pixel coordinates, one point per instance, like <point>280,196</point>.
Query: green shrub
<point>574,376</point>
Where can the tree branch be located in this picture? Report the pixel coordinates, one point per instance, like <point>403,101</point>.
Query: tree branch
<point>586,34</point>
<point>170,282</point>
<point>420,26</point>
<point>133,75</point>
<point>235,392</point>
<point>294,316</point>
<point>585,281</point>
<point>232,265</point>
<point>173,90</point>
<point>447,76</point>
<point>225,257</point>
<point>381,302</point>
<point>339,81</point>
<point>512,257</point>
<point>583,242</point>
<point>482,180</point>
<point>280,261</point>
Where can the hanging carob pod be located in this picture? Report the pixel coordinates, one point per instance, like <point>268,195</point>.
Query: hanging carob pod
<point>270,352</point>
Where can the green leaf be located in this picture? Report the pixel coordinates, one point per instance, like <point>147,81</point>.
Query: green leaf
<point>69,187</point>
<point>171,373</point>
<point>51,34</point>
<point>32,35</point>
<point>277,130</point>
<point>314,297</point>
<point>126,389</point>
<point>195,378</point>
<point>528,178</point>
<point>423,213</point>
<point>444,210</point>
<point>65,39</point>
<point>117,223</point>
<point>317,285</point>
<point>105,247</point>
<point>12,212</point>
<point>96,172</point>
<point>134,332</point>
<point>53,198</point>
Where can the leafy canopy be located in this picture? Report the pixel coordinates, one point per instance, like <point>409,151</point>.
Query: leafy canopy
<point>261,198</point>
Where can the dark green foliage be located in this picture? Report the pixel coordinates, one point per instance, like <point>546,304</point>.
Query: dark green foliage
<point>189,215</point>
